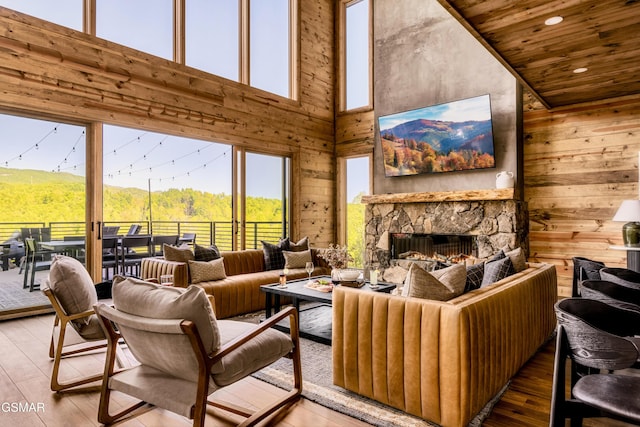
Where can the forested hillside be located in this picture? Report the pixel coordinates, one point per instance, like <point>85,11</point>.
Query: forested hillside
<point>39,196</point>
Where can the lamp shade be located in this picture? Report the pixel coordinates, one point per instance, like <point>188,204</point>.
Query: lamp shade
<point>628,211</point>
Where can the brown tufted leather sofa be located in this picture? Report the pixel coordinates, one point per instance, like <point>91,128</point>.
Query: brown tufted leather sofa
<point>240,292</point>
<point>441,361</point>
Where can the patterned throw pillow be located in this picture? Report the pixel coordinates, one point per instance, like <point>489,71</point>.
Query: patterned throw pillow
<point>202,271</point>
<point>273,257</point>
<point>517,259</point>
<point>177,254</point>
<point>421,284</point>
<point>202,253</point>
<point>475,274</point>
<point>294,259</point>
<point>300,245</point>
<point>497,270</point>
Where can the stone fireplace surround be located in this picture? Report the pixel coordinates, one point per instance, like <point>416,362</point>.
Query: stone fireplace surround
<point>495,217</point>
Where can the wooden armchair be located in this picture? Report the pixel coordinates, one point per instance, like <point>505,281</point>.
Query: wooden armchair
<point>76,328</point>
<point>185,354</point>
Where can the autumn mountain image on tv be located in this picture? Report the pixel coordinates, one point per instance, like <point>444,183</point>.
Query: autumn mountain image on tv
<point>441,138</point>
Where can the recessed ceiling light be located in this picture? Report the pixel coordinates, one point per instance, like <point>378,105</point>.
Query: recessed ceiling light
<point>553,20</point>
<point>580,70</point>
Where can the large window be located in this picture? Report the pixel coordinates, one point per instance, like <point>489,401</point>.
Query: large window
<point>269,45</point>
<point>355,58</point>
<point>267,199</point>
<point>357,185</point>
<point>212,36</point>
<point>61,12</point>
<point>146,25</point>
<point>168,185</point>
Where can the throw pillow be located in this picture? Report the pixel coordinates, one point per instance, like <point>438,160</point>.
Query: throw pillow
<point>497,270</point>
<point>421,284</point>
<point>201,253</point>
<point>294,259</point>
<point>204,271</point>
<point>273,256</point>
<point>453,277</point>
<point>73,286</point>
<point>475,274</point>
<point>177,254</point>
<point>300,245</point>
<point>517,259</point>
<point>140,298</point>
<point>497,256</point>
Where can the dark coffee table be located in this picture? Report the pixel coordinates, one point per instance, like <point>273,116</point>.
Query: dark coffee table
<point>315,319</point>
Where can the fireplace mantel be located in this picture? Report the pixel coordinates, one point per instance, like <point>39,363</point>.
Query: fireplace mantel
<point>442,196</point>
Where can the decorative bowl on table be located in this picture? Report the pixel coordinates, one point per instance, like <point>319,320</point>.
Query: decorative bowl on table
<point>349,274</point>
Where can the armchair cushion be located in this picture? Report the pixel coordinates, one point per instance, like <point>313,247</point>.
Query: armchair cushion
<point>140,298</point>
<point>260,351</point>
<point>73,287</point>
<point>202,271</point>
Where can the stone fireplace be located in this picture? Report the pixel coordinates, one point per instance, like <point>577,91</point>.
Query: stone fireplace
<point>493,218</point>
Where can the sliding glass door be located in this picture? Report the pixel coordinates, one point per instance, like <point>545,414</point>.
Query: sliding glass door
<point>42,205</point>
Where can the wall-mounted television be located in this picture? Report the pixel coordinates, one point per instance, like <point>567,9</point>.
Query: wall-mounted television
<point>447,137</point>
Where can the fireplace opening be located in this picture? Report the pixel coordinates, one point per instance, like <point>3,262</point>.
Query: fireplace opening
<point>443,247</point>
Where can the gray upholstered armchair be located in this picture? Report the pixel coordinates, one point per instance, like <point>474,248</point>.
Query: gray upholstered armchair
<point>185,353</point>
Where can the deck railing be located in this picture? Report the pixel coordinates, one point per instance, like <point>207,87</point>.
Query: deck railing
<point>219,233</point>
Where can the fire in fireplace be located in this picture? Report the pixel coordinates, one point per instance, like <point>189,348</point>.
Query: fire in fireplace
<point>431,246</point>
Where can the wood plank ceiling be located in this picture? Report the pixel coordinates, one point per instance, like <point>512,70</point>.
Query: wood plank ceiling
<point>600,35</point>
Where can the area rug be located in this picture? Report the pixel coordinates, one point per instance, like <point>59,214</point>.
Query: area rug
<point>13,299</point>
<point>318,387</point>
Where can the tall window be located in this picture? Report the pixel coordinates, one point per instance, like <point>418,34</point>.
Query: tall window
<point>357,186</point>
<point>267,199</point>
<point>269,45</point>
<point>61,12</point>
<point>356,53</point>
<point>212,36</point>
<point>145,25</point>
<point>42,196</point>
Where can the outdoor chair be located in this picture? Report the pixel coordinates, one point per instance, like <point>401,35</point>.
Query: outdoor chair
<point>133,250</point>
<point>159,241</point>
<point>110,259</point>
<point>612,294</point>
<point>134,229</point>
<point>185,354</point>
<point>188,238</point>
<point>595,336</point>
<point>76,328</point>
<point>110,231</point>
<point>34,262</point>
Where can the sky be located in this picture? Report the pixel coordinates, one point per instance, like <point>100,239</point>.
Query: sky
<point>477,108</point>
<point>135,158</point>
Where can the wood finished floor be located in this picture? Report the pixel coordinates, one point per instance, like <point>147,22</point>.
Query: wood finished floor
<point>25,368</point>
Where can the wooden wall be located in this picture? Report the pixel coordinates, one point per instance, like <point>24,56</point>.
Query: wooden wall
<point>52,71</point>
<point>580,163</point>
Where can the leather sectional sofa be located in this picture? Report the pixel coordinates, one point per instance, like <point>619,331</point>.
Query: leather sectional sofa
<point>239,292</point>
<point>441,361</point>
